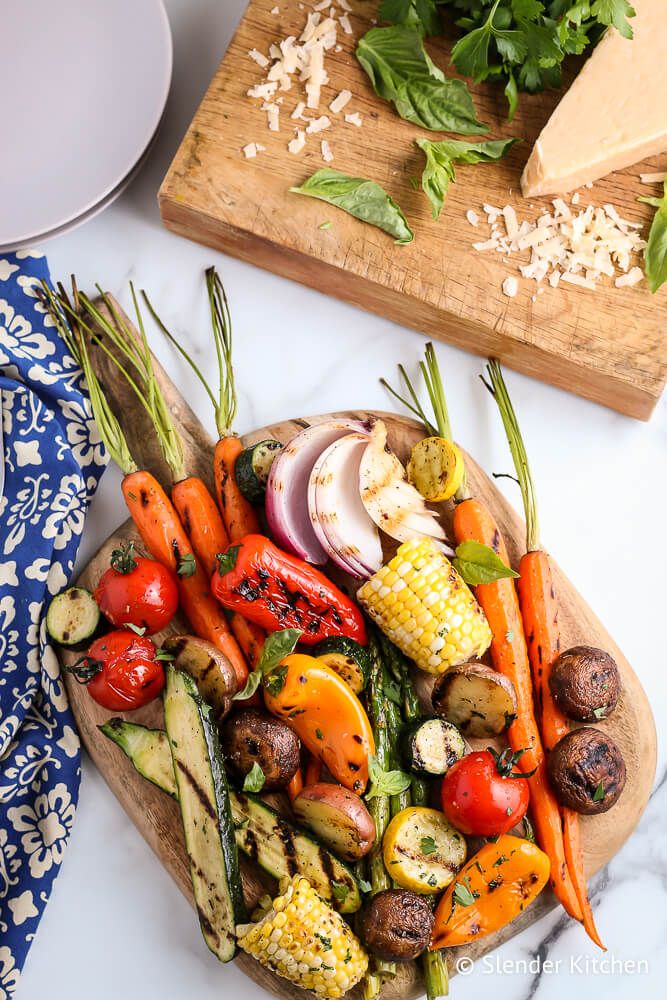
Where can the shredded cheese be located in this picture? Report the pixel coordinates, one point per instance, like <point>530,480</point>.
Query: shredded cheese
<point>510,287</point>
<point>344,22</point>
<point>354,119</point>
<point>340,101</point>
<point>252,149</point>
<point>653,178</point>
<point>327,155</point>
<point>472,217</point>
<point>318,125</point>
<point>578,246</point>
<point>259,58</point>
<point>296,144</point>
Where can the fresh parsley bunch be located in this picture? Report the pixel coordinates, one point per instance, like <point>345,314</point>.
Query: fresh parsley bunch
<point>520,42</point>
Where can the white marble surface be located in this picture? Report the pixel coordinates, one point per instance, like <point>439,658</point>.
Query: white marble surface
<point>116,925</point>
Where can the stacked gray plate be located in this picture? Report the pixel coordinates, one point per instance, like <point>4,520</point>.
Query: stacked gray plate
<point>84,85</point>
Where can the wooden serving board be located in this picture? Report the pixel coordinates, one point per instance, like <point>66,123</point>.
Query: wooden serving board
<point>607,345</point>
<point>156,816</point>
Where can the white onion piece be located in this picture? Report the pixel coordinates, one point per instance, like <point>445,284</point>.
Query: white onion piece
<point>287,487</point>
<point>338,516</point>
<point>393,504</point>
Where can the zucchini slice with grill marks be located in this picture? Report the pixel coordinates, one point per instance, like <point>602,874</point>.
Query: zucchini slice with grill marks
<point>206,813</point>
<point>431,746</point>
<point>347,658</point>
<point>277,846</point>
<point>253,466</point>
<point>73,617</point>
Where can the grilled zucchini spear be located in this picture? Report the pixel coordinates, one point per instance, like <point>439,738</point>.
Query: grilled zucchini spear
<point>206,813</point>
<point>261,833</point>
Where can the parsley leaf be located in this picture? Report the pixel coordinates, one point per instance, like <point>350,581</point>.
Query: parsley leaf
<point>428,845</point>
<point>614,12</point>
<point>463,895</point>
<point>187,565</point>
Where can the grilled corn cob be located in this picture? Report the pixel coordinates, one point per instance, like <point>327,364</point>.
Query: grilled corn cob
<point>304,940</point>
<point>421,603</point>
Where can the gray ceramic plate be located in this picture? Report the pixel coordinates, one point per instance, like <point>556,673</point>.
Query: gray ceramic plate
<point>84,85</point>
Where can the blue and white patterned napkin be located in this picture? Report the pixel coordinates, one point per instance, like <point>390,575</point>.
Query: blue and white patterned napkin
<point>53,461</point>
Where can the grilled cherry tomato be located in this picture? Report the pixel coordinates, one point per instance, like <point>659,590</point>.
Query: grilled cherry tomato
<point>483,795</point>
<point>121,671</point>
<point>137,591</point>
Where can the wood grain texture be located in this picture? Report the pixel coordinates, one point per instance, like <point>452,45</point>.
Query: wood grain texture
<point>156,816</point>
<point>607,345</point>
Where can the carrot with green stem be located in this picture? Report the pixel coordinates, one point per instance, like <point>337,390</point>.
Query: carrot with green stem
<point>539,612</point>
<point>474,523</point>
<point>239,517</point>
<point>151,510</point>
<point>238,514</point>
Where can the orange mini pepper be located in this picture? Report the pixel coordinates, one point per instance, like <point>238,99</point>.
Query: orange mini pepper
<point>325,714</point>
<point>496,884</point>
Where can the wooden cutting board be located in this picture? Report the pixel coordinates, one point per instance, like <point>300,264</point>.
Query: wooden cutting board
<point>156,816</point>
<point>608,345</point>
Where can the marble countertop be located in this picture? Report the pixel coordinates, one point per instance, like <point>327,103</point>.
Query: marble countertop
<point>116,925</point>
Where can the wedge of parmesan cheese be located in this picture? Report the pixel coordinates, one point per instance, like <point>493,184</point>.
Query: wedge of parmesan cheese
<point>612,116</point>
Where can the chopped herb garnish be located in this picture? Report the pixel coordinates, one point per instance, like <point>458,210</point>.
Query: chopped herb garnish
<point>254,779</point>
<point>428,845</point>
<point>138,630</point>
<point>319,734</point>
<point>499,861</point>
<point>599,713</point>
<point>463,896</point>
<point>364,886</point>
<point>326,942</point>
<point>340,891</point>
<point>187,565</point>
<point>598,795</point>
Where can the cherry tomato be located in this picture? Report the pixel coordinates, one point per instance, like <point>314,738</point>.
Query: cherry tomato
<point>482,794</point>
<point>137,591</point>
<point>121,671</point>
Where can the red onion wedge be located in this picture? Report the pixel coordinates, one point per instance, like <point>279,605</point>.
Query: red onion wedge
<point>338,516</point>
<point>392,503</point>
<point>287,487</point>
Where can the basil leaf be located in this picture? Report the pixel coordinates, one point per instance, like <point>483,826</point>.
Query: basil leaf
<point>276,647</point>
<point>254,779</point>
<point>441,157</point>
<point>655,254</point>
<point>363,199</point>
<point>385,782</point>
<point>402,72</point>
<point>421,14</point>
<point>250,686</point>
<point>478,563</point>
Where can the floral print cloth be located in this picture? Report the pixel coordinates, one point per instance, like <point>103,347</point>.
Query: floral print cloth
<point>53,461</point>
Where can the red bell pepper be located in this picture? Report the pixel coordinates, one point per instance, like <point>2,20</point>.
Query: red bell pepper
<point>278,591</point>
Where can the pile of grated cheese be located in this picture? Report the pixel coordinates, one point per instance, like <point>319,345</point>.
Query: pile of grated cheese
<point>577,246</point>
<point>302,61</point>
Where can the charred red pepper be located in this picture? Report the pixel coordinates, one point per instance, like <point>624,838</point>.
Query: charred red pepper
<point>279,591</point>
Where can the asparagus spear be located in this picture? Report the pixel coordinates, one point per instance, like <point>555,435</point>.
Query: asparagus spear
<point>436,974</point>
<point>380,805</point>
